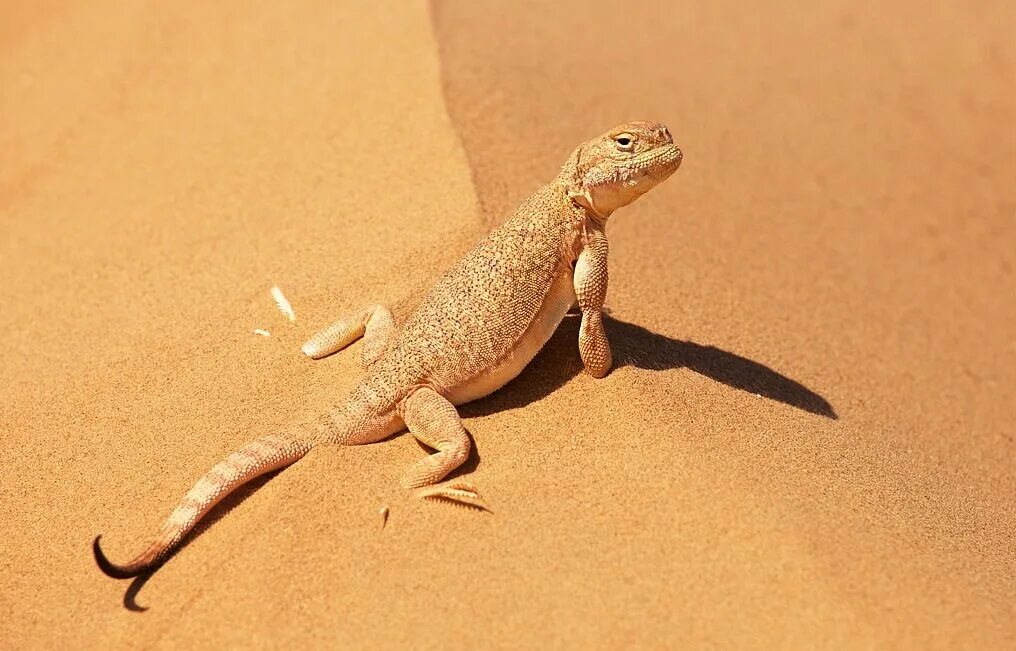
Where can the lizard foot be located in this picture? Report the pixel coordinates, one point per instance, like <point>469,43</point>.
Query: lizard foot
<point>457,492</point>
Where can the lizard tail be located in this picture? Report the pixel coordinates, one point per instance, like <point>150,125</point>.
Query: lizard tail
<point>261,456</point>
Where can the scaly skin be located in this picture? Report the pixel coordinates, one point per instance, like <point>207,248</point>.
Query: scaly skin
<point>477,328</point>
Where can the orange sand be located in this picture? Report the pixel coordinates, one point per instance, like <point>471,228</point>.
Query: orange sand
<point>808,441</point>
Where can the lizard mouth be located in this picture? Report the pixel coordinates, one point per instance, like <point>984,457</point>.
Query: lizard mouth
<point>666,159</point>
<point>653,166</point>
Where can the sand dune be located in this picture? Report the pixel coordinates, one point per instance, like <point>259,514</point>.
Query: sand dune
<point>808,437</point>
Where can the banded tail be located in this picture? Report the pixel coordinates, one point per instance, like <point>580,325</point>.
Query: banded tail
<point>261,456</point>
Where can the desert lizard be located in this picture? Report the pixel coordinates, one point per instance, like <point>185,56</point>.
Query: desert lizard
<point>480,324</point>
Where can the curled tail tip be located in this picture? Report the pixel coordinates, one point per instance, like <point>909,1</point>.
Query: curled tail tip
<point>110,569</point>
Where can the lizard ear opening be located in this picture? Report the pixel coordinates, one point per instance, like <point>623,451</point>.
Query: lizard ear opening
<point>572,175</point>
<point>570,172</point>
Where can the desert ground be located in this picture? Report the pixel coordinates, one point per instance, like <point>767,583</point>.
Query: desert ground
<point>808,438</point>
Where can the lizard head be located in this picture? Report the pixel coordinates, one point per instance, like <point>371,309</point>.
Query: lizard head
<point>618,167</point>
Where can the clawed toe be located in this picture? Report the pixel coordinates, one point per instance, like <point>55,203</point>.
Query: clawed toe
<point>456,492</point>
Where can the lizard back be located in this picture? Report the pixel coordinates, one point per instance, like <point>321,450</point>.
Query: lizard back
<point>479,310</point>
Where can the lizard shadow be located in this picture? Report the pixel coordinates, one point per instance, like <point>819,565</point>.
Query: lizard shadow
<point>636,346</point>
<point>219,511</point>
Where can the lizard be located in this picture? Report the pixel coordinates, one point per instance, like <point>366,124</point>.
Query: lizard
<point>476,329</point>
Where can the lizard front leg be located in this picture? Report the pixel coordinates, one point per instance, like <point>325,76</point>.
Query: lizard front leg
<point>591,290</point>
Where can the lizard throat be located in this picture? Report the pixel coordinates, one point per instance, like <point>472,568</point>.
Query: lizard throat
<point>583,204</point>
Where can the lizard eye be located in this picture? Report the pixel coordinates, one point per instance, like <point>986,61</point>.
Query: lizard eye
<point>625,141</point>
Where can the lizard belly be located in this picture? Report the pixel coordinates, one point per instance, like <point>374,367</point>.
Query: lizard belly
<point>556,304</point>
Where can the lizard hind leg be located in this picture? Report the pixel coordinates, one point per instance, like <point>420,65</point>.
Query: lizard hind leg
<point>374,323</point>
<point>433,420</point>
<point>378,333</point>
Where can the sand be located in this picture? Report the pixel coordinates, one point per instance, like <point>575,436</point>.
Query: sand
<point>808,441</point>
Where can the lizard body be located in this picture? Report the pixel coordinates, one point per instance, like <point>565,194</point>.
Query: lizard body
<point>480,324</point>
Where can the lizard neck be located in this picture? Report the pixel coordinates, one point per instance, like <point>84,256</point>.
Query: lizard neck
<point>587,210</point>
<point>600,219</point>
<point>581,200</point>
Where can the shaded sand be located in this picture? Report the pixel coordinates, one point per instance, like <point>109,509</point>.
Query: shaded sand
<point>809,438</point>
